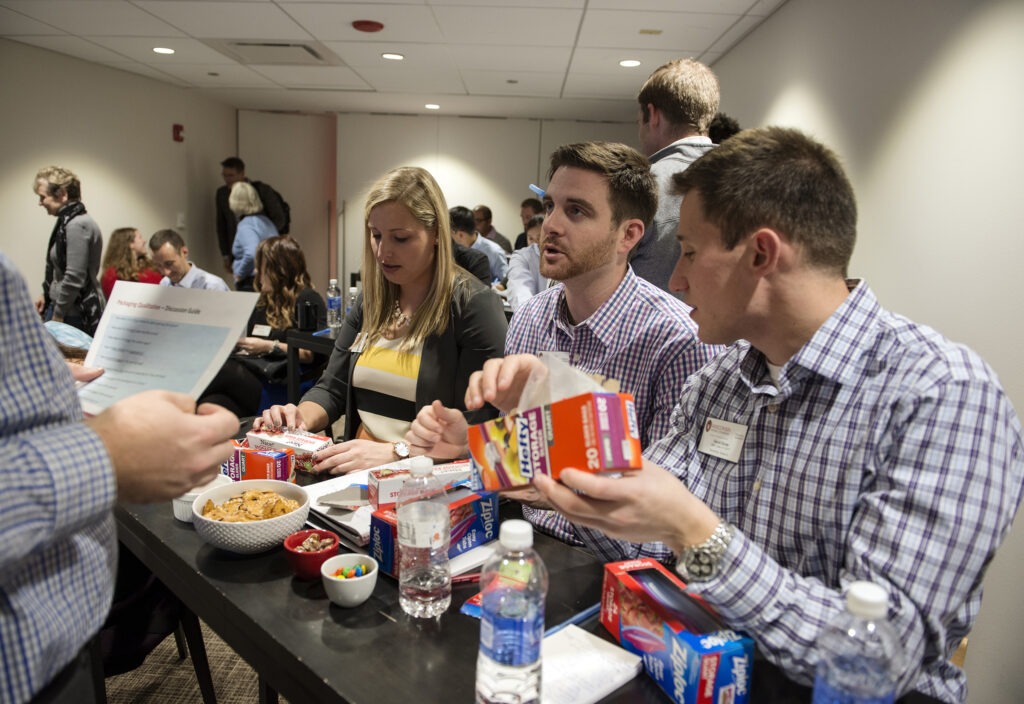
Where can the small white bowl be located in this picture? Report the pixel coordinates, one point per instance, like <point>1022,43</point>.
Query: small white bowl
<point>183,504</point>
<point>253,536</point>
<point>355,590</point>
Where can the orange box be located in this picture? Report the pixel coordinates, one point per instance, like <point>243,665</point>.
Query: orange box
<point>595,432</point>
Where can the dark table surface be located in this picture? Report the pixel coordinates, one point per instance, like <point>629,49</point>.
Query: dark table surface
<point>312,651</point>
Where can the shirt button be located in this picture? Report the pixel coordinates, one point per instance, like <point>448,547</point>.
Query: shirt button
<point>774,408</point>
<point>757,486</point>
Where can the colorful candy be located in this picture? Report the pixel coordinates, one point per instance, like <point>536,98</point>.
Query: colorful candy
<point>351,572</point>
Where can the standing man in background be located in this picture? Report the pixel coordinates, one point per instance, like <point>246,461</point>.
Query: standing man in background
<point>677,103</point>
<point>527,210</point>
<point>482,218</point>
<point>274,207</point>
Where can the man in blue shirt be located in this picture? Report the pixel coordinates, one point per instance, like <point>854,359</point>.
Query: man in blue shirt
<point>464,233</point>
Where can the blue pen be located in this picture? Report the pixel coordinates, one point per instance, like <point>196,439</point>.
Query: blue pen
<point>537,189</point>
<point>575,620</point>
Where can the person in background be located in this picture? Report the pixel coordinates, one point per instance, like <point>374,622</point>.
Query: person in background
<point>834,440</point>
<point>419,329</point>
<point>170,257</point>
<point>677,103</point>
<point>476,263</point>
<point>527,210</point>
<point>274,207</point>
<point>464,232</point>
<point>127,259</point>
<point>253,227</point>
<point>71,293</point>
<point>61,479</point>
<point>284,286</point>
<point>482,222</point>
<point>524,278</point>
<point>722,127</point>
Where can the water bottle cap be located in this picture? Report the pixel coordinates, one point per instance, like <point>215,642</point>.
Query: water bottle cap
<point>333,282</point>
<point>516,534</point>
<point>867,600</point>
<point>420,466</point>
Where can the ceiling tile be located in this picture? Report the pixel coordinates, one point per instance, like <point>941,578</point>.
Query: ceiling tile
<point>16,24</point>
<point>393,80</point>
<point>417,56</point>
<point>602,85</point>
<point>725,7</point>
<point>508,26</point>
<point>520,58</point>
<point>607,60</point>
<point>227,76</point>
<point>230,20</point>
<point>112,18</point>
<point>532,4</point>
<point>527,83</point>
<point>679,31</point>
<point>740,29</point>
<point>411,23</point>
<point>186,50</point>
<point>763,8</point>
<point>338,77</point>
<point>74,46</point>
<point>147,71</point>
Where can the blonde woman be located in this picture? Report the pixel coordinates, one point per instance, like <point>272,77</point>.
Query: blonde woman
<point>421,327</point>
<point>127,259</point>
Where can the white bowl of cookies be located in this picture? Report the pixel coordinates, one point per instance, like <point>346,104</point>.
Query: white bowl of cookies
<point>250,516</point>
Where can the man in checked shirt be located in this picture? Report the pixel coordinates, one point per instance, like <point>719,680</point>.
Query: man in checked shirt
<point>833,442</point>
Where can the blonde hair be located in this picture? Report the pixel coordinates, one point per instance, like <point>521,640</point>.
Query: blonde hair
<point>244,200</point>
<point>126,262</point>
<point>280,259</point>
<point>58,178</point>
<point>416,190</point>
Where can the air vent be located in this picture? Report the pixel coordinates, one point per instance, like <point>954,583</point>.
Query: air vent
<point>269,53</point>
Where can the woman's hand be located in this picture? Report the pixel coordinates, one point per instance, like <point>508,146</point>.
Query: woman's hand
<point>345,457</point>
<point>438,432</point>
<point>256,345</point>
<point>280,418</point>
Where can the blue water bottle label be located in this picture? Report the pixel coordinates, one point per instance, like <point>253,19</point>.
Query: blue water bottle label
<point>826,693</point>
<point>512,641</point>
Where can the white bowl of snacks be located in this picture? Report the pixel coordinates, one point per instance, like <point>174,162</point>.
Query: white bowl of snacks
<point>349,578</point>
<point>250,516</point>
<point>183,504</point>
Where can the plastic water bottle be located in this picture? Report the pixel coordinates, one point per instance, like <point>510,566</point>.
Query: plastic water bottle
<point>333,304</point>
<point>861,654</point>
<point>353,292</point>
<point>514,582</point>
<point>424,533</point>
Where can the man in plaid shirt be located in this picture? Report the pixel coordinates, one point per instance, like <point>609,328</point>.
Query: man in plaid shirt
<point>834,442</point>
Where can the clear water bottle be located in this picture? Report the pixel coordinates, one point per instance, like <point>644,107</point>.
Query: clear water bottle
<point>424,533</point>
<point>514,582</point>
<point>353,292</point>
<point>333,304</point>
<point>861,655</point>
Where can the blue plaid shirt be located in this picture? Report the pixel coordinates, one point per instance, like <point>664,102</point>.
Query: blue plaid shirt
<point>57,539</point>
<point>641,336</point>
<point>886,453</point>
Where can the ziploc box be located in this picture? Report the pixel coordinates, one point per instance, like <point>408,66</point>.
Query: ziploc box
<point>684,646</point>
<point>384,484</point>
<point>301,443</point>
<point>248,463</point>
<point>474,521</point>
<point>596,432</point>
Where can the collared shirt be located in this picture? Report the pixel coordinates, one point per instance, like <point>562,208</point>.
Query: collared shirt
<point>495,257</point>
<point>641,336</point>
<point>886,453</point>
<point>198,278</point>
<point>57,538</point>
<point>524,277</point>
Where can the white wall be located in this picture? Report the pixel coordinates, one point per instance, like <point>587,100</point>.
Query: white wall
<point>923,99</point>
<point>475,161</point>
<point>113,129</point>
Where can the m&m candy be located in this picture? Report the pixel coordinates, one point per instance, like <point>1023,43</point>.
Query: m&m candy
<point>350,572</point>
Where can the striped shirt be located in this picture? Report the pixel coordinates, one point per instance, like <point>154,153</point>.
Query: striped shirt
<point>886,453</point>
<point>384,382</point>
<point>641,336</point>
<point>57,539</point>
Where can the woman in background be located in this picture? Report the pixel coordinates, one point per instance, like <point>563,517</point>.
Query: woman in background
<point>127,259</point>
<point>421,327</point>
<point>253,228</point>
<point>284,287</point>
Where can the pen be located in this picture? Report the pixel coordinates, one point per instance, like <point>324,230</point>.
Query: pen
<point>574,620</point>
<point>537,189</point>
<point>466,578</point>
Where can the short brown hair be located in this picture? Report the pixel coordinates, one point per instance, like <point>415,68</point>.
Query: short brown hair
<point>632,191</point>
<point>685,91</point>
<point>778,178</point>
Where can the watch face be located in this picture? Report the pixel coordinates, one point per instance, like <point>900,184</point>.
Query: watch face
<point>401,449</point>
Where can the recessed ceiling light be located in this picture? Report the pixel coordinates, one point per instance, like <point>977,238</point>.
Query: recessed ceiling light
<point>162,50</point>
<point>392,57</point>
<point>629,63</point>
<point>432,106</point>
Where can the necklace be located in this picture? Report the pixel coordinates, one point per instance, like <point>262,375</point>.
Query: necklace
<point>398,318</point>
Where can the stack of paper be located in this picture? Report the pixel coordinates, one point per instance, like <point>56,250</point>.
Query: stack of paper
<point>581,668</point>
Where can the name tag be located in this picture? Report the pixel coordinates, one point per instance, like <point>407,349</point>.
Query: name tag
<point>560,356</point>
<point>260,330</point>
<point>722,439</point>
<point>359,343</point>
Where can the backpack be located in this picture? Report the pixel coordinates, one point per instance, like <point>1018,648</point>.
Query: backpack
<point>275,207</point>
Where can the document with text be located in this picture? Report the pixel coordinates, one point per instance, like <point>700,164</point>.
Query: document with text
<point>162,337</point>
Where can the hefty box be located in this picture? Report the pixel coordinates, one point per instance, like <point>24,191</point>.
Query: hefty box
<point>248,463</point>
<point>474,521</point>
<point>301,443</point>
<point>684,646</point>
<point>383,484</point>
<point>596,432</point>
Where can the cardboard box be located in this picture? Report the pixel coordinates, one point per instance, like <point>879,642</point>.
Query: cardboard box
<point>595,432</point>
<point>684,646</point>
<point>248,463</point>
<point>384,484</point>
<point>301,443</point>
<point>474,521</point>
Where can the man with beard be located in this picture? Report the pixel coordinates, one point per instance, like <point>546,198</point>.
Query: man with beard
<point>600,316</point>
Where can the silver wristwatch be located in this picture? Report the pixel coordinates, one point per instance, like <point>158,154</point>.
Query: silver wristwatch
<point>401,449</point>
<point>699,563</point>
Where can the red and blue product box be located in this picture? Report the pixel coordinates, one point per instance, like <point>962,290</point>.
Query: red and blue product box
<point>474,521</point>
<point>248,463</point>
<point>684,646</point>
<point>384,484</point>
<point>596,432</point>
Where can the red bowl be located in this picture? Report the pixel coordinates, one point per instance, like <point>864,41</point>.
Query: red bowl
<point>306,565</point>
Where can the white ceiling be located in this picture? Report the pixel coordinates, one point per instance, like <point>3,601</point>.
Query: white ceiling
<point>555,59</point>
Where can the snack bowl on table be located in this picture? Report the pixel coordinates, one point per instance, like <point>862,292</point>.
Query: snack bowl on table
<point>351,591</point>
<point>250,537</point>
<point>183,504</point>
<point>306,563</point>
